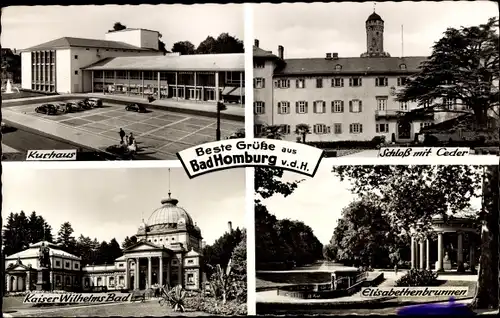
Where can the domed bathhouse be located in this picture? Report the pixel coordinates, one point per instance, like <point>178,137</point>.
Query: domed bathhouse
<point>167,252</point>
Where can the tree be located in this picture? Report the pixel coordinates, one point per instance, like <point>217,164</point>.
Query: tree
<point>15,233</point>
<point>303,130</point>
<point>226,43</point>
<point>267,183</point>
<point>411,195</point>
<point>221,250</point>
<point>183,47</point>
<point>463,67</point>
<point>66,239</point>
<point>271,132</point>
<point>161,45</point>
<point>486,296</point>
<point>36,228</point>
<point>207,46</point>
<point>118,27</point>
<point>239,264</point>
<point>129,241</point>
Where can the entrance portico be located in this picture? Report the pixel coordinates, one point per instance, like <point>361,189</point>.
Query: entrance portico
<point>147,264</point>
<point>454,228</point>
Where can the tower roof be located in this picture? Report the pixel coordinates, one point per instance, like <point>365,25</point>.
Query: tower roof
<point>374,17</point>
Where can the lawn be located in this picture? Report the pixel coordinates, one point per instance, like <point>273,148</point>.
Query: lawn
<point>14,307</point>
<point>285,279</point>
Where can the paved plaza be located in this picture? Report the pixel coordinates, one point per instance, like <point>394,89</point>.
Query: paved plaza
<point>160,134</point>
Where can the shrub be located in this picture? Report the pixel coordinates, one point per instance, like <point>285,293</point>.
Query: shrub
<point>418,277</point>
<point>430,140</point>
<point>211,306</point>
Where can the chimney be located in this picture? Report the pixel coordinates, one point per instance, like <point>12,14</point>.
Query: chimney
<point>230,226</point>
<point>281,52</point>
<point>335,56</point>
<point>256,43</point>
<point>328,56</point>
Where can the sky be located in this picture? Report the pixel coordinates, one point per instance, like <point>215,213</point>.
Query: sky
<point>110,203</point>
<point>313,29</point>
<point>26,26</point>
<point>318,201</point>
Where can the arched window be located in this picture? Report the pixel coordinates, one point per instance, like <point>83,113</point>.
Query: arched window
<point>338,67</point>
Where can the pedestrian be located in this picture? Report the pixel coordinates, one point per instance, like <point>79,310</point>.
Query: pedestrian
<point>122,134</point>
<point>131,139</point>
<point>396,269</point>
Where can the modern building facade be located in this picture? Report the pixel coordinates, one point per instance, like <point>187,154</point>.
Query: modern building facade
<point>340,98</point>
<point>129,62</point>
<point>168,252</point>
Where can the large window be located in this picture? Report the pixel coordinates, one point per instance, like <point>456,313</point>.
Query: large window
<point>321,129</point>
<point>337,82</point>
<point>259,108</point>
<point>285,129</point>
<point>282,83</point>
<point>355,106</point>
<point>259,82</point>
<point>301,107</point>
<point>381,81</point>
<point>403,106</point>
<point>355,81</point>
<point>319,83</point>
<point>283,107</point>
<point>402,81</point>
<point>382,128</point>
<point>300,83</point>
<point>381,103</point>
<point>337,128</point>
<point>134,75</point>
<point>356,128</point>
<point>337,106</point>
<point>319,107</point>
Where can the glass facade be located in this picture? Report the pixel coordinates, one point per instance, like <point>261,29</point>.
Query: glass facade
<point>43,71</point>
<point>191,86</point>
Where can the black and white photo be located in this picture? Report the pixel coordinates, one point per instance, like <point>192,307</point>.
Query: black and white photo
<point>169,76</point>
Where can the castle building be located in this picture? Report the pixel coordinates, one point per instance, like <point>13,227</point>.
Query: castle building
<point>128,62</point>
<point>340,98</point>
<point>168,252</point>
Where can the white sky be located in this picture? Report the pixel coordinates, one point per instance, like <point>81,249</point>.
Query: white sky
<point>26,26</point>
<point>313,29</point>
<point>318,201</point>
<point>110,203</point>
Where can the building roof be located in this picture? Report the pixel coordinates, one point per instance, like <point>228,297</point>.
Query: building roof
<point>68,42</point>
<point>169,213</point>
<point>351,65</point>
<point>33,250</point>
<point>258,52</point>
<point>132,29</point>
<point>374,17</point>
<point>195,62</point>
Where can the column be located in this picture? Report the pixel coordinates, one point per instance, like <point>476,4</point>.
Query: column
<point>422,255</point>
<point>176,86</point>
<point>92,72</point>
<point>439,266</point>
<point>413,252</point>
<point>169,269</point>
<point>181,276</point>
<point>159,86</point>
<point>136,275</point>
<point>472,255</point>
<point>104,81</point>
<point>160,274</point>
<point>127,274</point>
<point>128,81</point>
<point>114,81</point>
<point>460,253</point>
<point>195,89</point>
<point>142,84</point>
<point>8,282</point>
<point>28,280</point>
<point>241,88</point>
<point>14,288</point>
<point>149,272</point>
<point>216,86</point>
<point>427,255</point>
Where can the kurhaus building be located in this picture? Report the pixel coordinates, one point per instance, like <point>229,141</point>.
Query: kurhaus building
<point>168,251</point>
<point>128,62</point>
<point>350,98</point>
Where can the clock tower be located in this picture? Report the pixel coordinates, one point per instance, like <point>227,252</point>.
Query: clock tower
<point>375,37</point>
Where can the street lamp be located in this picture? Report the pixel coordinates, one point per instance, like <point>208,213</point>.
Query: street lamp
<point>220,107</point>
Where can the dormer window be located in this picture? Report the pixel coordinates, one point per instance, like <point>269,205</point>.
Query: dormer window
<point>338,67</point>
<point>402,67</point>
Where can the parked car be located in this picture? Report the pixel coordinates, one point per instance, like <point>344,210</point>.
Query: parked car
<point>135,108</point>
<point>48,109</point>
<point>94,102</point>
<point>84,104</point>
<point>240,133</point>
<point>72,107</point>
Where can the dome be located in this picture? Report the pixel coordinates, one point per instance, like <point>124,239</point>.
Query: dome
<point>169,213</point>
<point>374,17</point>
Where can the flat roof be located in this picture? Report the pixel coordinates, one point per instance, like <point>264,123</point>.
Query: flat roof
<point>68,42</point>
<point>195,62</point>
